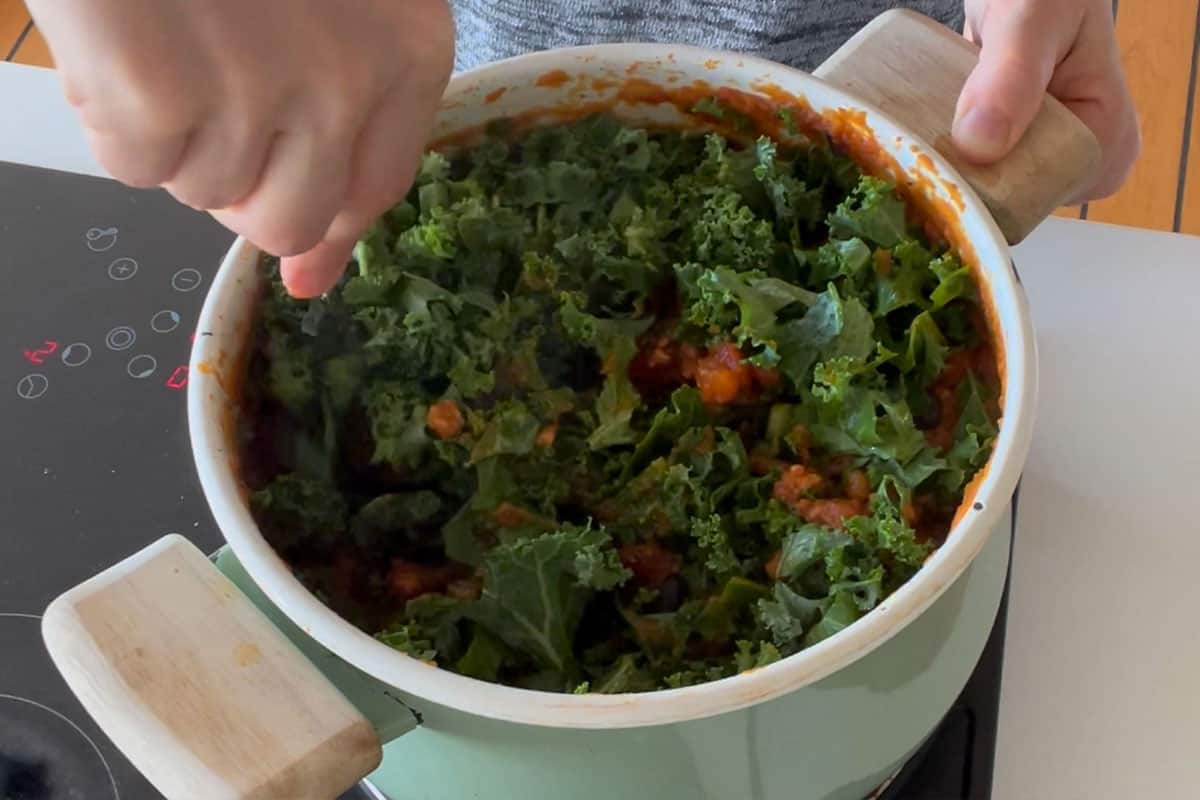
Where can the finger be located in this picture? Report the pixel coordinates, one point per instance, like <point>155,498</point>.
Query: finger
<point>1091,83</point>
<point>314,273</point>
<point>138,128</point>
<point>1020,50</point>
<point>138,159</point>
<point>1119,158</point>
<point>137,107</point>
<point>385,160</point>
<point>1116,126</point>
<point>302,187</point>
<point>224,161</point>
<point>139,133</point>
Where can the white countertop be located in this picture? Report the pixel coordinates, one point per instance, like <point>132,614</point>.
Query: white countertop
<point>38,126</point>
<point>1101,687</point>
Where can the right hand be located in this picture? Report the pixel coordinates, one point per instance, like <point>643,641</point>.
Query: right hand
<point>294,122</point>
<point>1066,47</point>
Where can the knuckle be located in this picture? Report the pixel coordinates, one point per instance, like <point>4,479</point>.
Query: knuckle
<point>348,227</point>
<point>183,200</point>
<point>196,191</point>
<point>221,172</point>
<point>130,176</point>
<point>200,197</point>
<point>347,92</point>
<point>253,106</point>
<point>137,179</point>
<point>285,237</point>
<point>365,204</point>
<point>75,91</point>
<point>434,43</point>
<point>129,95</point>
<point>159,105</point>
<point>234,190</point>
<point>129,164</point>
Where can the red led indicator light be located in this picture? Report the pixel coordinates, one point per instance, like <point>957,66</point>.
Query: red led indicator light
<point>178,378</point>
<point>38,356</point>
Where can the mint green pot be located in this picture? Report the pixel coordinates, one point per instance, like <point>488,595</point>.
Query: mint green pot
<point>831,722</point>
<point>840,738</point>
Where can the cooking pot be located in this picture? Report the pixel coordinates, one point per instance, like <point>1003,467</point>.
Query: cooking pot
<point>234,681</point>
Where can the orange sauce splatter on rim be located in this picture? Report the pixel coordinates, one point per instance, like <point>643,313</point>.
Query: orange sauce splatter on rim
<point>229,371</point>
<point>956,195</point>
<point>552,79</point>
<point>494,95</point>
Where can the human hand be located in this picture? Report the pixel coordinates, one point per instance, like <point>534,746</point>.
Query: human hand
<point>1066,47</point>
<point>294,122</point>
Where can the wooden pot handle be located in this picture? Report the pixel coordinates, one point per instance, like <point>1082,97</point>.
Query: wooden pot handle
<point>190,680</point>
<point>913,69</point>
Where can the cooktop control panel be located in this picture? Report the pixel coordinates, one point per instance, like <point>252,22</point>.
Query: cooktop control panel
<point>101,287</point>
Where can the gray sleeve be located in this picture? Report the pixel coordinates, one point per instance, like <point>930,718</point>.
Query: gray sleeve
<point>801,33</point>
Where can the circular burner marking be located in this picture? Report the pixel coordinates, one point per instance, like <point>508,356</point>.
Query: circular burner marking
<point>165,321</point>
<point>43,752</point>
<point>32,386</point>
<point>187,279</point>
<point>76,354</point>
<point>141,366</point>
<point>122,269</point>
<point>100,240</point>
<point>28,767</point>
<point>121,337</point>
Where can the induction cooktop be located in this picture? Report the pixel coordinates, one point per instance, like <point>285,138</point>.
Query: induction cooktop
<point>100,288</point>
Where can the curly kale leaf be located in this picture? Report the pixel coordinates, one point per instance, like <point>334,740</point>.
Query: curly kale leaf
<point>397,419</point>
<point>292,510</point>
<point>872,212</point>
<point>615,342</point>
<point>535,590</point>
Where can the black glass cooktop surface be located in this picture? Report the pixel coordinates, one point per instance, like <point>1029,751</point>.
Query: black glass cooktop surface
<point>100,288</point>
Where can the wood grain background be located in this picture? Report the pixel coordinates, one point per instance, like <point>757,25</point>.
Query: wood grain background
<point>1160,45</point>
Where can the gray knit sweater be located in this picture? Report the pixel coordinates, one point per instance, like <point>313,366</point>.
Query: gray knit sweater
<point>801,33</point>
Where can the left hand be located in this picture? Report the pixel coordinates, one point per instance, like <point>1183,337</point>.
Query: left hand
<point>1029,47</point>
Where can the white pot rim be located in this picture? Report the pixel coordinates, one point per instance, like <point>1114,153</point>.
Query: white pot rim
<point>226,497</point>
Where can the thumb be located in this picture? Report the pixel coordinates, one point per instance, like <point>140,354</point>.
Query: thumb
<point>315,272</point>
<point>1021,49</point>
<point>312,273</point>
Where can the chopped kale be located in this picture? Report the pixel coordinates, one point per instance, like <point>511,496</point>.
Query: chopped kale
<point>600,409</point>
